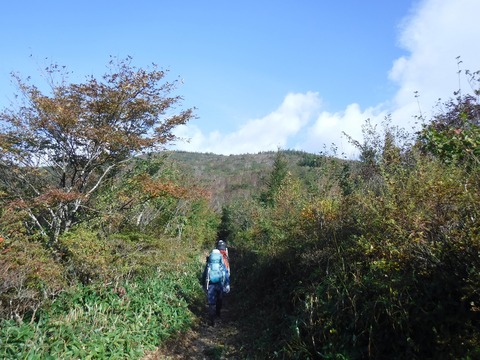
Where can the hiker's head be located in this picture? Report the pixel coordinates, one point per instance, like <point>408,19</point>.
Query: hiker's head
<point>221,245</point>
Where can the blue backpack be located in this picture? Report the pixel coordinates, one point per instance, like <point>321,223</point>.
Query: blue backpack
<point>215,268</point>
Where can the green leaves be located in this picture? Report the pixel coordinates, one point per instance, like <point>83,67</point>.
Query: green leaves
<point>454,136</point>
<point>107,321</point>
<point>377,260</point>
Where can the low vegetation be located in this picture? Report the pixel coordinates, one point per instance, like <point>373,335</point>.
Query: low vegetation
<point>107,321</point>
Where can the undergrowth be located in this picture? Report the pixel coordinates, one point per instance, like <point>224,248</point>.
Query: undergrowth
<point>114,321</point>
<point>380,265</point>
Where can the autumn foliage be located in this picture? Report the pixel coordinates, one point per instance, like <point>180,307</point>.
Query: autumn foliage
<point>86,192</point>
<point>58,149</point>
<point>376,259</point>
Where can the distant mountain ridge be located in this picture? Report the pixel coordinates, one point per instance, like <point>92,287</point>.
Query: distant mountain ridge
<point>230,177</point>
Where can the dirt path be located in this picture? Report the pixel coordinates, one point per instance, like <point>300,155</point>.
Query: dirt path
<point>222,341</point>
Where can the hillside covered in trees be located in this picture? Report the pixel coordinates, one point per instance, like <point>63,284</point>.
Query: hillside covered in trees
<point>234,177</point>
<point>104,233</point>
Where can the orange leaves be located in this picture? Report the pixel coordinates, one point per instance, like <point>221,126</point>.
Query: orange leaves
<point>308,213</point>
<point>158,188</point>
<point>4,251</point>
<point>55,196</point>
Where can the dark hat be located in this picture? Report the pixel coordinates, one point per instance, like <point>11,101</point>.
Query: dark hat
<point>221,245</point>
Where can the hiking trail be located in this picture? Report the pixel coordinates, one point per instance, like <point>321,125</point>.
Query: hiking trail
<point>225,340</point>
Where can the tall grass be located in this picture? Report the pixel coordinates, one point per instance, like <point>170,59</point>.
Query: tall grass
<point>114,321</point>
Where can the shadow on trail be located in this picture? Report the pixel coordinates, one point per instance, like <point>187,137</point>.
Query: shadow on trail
<point>231,336</point>
<point>253,320</point>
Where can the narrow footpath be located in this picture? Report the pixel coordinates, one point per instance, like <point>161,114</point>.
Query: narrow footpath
<point>225,340</point>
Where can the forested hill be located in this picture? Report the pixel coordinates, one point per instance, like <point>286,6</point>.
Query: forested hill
<point>230,177</point>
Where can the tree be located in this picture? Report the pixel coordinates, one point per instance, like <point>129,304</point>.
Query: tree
<point>57,150</point>
<point>454,134</point>
<point>277,176</point>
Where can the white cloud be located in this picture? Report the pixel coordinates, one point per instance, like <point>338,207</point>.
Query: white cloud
<point>434,34</point>
<point>328,129</point>
<point>268,133</point>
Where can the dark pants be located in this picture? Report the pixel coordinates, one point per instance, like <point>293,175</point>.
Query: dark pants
<point>215,297</point>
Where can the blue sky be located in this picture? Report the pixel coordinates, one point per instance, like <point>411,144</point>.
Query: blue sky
<point>263,75</point>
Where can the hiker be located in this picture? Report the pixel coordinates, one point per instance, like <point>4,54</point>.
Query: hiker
<point>222,246</point>
<point>216,282</point>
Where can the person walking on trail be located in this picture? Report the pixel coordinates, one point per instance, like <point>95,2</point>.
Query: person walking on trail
<point>216,282</point>
<point>222,246</point>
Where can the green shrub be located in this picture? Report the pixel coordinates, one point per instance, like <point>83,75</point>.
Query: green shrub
<point>115,321</point>
<point>91,257</point>
<point>387,269</point>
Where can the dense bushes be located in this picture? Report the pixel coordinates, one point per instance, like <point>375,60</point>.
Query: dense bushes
<point>144,216</point>
<point>401,285</point>
<point>119,282</point>
<point>28,277</point>
<point>387,269</point>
